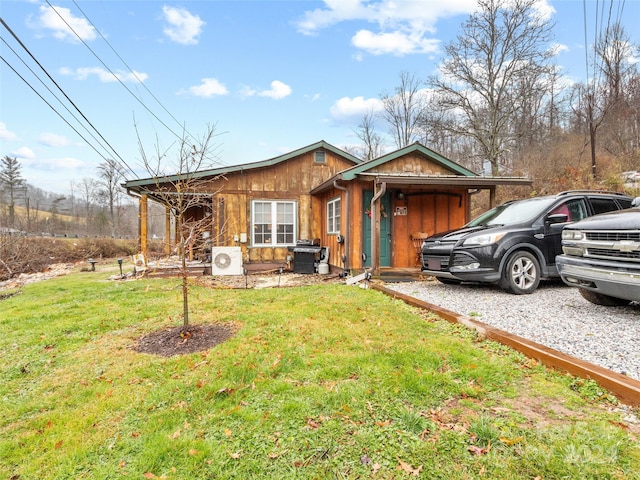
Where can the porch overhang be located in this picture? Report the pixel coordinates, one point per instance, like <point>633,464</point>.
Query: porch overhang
<point>435,181</point>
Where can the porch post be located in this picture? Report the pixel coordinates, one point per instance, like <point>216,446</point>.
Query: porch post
<point>143,204</point>
<point>492,197</point>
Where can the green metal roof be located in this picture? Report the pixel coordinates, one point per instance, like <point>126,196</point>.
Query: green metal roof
<point>153,181</point>
<point>354,171</point>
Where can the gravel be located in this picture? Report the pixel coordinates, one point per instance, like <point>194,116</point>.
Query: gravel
<point>554,315</point>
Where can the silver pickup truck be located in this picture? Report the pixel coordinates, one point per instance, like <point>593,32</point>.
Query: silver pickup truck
<point>601,256</point>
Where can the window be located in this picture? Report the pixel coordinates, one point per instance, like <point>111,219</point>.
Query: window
<point>320,157</point>
<point>274,223</point>
<point>333,215</point>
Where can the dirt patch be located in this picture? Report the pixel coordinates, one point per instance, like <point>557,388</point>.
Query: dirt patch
<point>181,341</point>
<point>270,280</point>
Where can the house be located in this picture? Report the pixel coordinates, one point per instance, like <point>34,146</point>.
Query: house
<point>369,214</point>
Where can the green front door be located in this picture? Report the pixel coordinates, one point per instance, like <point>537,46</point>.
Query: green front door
<point>385,229</point>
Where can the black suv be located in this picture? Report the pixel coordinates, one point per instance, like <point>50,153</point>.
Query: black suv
<point>516,243</point>
<point>602,257</point>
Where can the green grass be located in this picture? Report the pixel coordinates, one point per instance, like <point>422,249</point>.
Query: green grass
<point>318,382</point>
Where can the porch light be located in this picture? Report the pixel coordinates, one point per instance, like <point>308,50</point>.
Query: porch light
<point>400,195</point>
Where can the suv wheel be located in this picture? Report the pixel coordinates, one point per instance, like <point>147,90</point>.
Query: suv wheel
<point>521,274</point>
<point>605,300</point>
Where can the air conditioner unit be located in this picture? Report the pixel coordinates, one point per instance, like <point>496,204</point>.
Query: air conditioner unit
<point>226,261</point>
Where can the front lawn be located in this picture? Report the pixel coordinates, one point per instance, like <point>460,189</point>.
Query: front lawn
<point>317,382</point>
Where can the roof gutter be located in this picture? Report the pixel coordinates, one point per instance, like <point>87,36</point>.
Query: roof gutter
<point>374,229</point>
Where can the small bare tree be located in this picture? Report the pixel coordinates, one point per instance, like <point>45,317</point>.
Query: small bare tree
<point>188,193</point>
<point>403,110</point>
<point>111,174</point>
<point>372,142</point>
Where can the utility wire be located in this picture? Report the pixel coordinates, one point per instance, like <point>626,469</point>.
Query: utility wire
<point>50,91</point>
<point>63,92</point>
<point>128,68</point>
<point>51,106</point>
<point>112,73</point>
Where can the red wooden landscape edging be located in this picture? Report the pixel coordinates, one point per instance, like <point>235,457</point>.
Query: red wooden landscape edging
<point>626,389</point>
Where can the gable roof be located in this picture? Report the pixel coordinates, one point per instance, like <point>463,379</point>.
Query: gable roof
<point>459,177</point>
<point>145,182</point>
<point>455,168</point>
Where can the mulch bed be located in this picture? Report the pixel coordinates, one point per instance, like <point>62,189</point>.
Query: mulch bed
<point>178,341</point>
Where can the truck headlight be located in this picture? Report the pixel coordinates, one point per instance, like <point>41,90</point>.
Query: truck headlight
<point>486,239</point>
<point>568,234</point>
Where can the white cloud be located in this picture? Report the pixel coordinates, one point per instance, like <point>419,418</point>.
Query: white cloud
<point>348,108</point>
<point>103,75</point>
<point>183,27</point>
<point>396,43</point>
<point>53,164</point>
<point>23,153</point>
<point>6,134</point>
<point>277,91</point>
<point>208,88</point>
<point>558,48</point>
<point>54,140</point>
<point>403,26</point>
<point>64,25</point>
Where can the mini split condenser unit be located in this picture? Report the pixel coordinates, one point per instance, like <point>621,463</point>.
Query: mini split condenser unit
<point>226,261</point>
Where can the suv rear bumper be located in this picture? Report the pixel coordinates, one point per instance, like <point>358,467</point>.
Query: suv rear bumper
<point>608,278</point>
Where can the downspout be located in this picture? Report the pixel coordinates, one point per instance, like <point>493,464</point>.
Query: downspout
<point>375,231</point>
<point>347,234</point>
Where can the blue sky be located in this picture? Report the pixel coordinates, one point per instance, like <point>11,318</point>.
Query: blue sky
<point>272,76</point>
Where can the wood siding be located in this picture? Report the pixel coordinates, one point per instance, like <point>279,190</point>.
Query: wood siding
<point>290,180</point>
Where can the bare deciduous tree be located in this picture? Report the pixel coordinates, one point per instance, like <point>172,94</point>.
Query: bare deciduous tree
<point>403,110</point>
<point>186,192</point>
<point>502,47</point>
<point>111,174</point>
<point>372,142</point>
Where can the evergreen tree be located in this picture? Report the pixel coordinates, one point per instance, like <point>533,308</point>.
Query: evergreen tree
<point>11,182</point>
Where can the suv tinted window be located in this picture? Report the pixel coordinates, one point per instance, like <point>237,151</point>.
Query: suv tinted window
<point>603,205</point>
<point>574,210</point>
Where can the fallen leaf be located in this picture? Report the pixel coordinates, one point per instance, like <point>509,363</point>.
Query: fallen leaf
<point>176,434</point>
<point>149,475</point>
<point>58,445</point>
<point>228,432</point>
<point>365,460</point>
<point>479,451</point>
<point>384,424</point>
<point>375,468</point>
<point>408,468</point>
<point>511,441</point>
<point>312,423</point>
<point>235,455</point>
<point>193,451</point>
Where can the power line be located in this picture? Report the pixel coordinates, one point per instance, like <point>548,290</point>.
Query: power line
<point>128,68</point>
<point>62,91</point>
<point>112,73</point>
<point>51,92</point>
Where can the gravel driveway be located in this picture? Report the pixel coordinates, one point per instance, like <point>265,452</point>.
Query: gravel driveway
<point>554,315</point>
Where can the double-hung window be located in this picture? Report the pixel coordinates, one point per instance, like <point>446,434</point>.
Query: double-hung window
<point>273,222</point>
<point>333,215</point>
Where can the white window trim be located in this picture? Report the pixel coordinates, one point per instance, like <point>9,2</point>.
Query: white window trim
<point>336,227</point>
<point>274,224</point>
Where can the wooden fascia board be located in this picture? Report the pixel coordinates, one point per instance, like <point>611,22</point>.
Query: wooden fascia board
<point>351,173</point>
<point>444,180</point>
<point>216,172</point>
